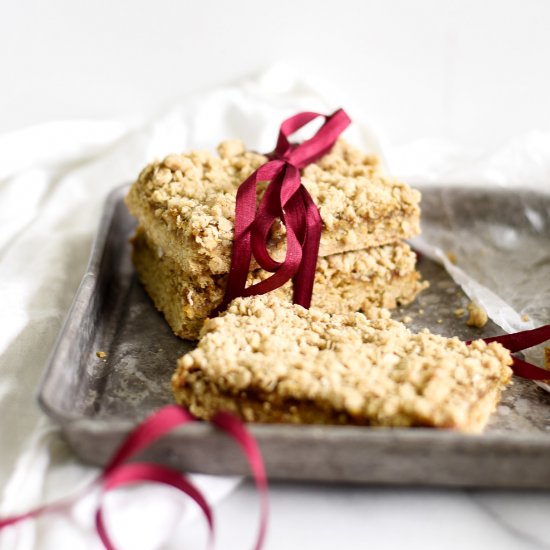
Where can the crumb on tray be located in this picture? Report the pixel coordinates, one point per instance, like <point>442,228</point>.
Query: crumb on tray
<point>478,316</point>
<point>451,256</point>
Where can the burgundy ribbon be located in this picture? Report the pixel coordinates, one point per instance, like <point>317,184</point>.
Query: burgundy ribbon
<point>518,341</point>
<point>285,198</point>
<point>119,472</point>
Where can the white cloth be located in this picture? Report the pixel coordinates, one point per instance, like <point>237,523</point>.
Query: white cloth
<point>53,181</point>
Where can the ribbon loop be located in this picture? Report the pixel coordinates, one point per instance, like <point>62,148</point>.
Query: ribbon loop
<point>286,199</point>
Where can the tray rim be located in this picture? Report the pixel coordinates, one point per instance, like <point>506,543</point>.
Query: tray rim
<point>84,292</point>
<point>123,426</point>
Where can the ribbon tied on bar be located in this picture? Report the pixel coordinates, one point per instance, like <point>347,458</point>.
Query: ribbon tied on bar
<point>285,198</point>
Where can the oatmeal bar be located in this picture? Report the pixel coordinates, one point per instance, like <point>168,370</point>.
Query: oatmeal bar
<point>187,204</point>
<point>347,282</point>
<point>268,360</point>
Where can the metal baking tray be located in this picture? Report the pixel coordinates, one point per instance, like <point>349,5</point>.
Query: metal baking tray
<point>96,402</point>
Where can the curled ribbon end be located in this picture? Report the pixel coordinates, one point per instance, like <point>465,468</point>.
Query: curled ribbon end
<point>120,472</point>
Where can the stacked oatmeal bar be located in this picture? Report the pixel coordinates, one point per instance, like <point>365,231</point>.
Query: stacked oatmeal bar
<point>185,205</point>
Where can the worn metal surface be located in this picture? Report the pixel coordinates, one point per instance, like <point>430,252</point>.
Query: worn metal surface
<point>96,402</point>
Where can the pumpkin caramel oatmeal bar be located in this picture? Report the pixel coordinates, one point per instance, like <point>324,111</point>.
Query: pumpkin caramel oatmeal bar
<point>351,281</point>
<point>268,360</point>
<point>186,204</point>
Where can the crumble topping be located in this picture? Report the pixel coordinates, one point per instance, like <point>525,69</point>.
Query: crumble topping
<point>370,370</point>
<point>192,197</point>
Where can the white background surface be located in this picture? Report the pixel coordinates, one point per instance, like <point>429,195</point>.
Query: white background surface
<point>471,73</point>
<point>474,71</point>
